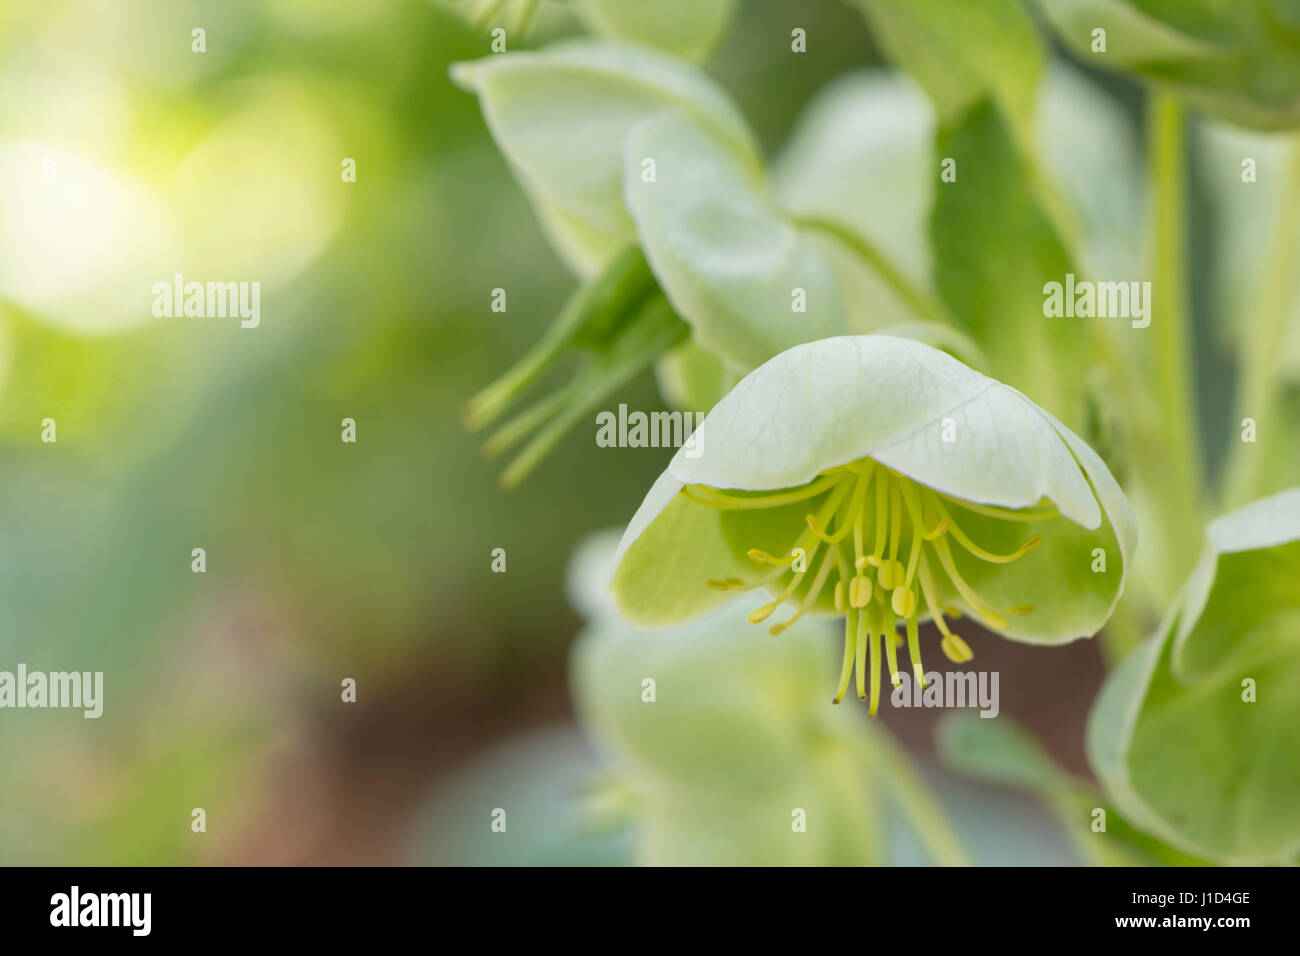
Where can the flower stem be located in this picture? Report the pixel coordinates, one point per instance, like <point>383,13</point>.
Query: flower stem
<point>1258,387</point>
<point>1171,460</point>
<point>891,764</point>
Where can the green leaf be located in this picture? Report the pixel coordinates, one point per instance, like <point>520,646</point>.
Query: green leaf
<point>996,247</point>
<point>1237,60</point>
<point>961,52</point>
<point>686,28</point>
<point>1004,753</point>
<point>1173,737</point>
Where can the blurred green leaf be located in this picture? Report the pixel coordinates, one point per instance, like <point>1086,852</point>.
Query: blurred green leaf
<point>686,28</point>
<point>1237,60</point>
<point>1194,734</point>
<point>962,52</point>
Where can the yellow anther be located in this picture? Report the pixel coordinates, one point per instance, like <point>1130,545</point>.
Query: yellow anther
<point>903,601</point>
<point>956,650</point>
<point>761,614</point>
<point>727,584</point>
<point>762,557</point>
<point>839,597</point>
<point>861,562</point>
<point>892,574</point>
<point>1020,610</point>
<point>860,591</point>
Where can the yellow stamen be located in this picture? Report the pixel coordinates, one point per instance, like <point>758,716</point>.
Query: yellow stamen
<point>982,553</point>
<point>866,631</point>
<point>1039,514</point>
<point>762,557</point>
<point>982,607</point>
<point>914,651</point>
<point>956,650</point>
<point>810,597</point>
<point>846,669</point>
<point>903,601</point>
<point>703,494</point>
<point>860,591</point>
<point>891,647</point>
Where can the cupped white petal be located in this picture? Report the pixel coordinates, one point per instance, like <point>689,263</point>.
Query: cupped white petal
<point>913,408</point>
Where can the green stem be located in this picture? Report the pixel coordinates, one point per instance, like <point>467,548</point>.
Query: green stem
<point>589,319</point>
<point>1170,457</point>
<point>889,763</point>
<point>1258,385</point>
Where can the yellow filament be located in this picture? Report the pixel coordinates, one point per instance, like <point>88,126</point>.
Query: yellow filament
<point>914,651</point>
<point>874,651</point>
<point>983,554</point>
<point>762,557</point>
<point>846,669</point>
<point>882,510</point>
<point>930,592</point>
<point>891,647</point>
<point>703,494</point>
<point>990,614</point>
<point>814,589</point>
<point>866,631</point>
<point>895,520</point>
<point>1040,514</point>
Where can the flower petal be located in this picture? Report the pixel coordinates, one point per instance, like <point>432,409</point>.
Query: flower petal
<point>560,115</point>
<point>725,256</point>
<point>829,402</point>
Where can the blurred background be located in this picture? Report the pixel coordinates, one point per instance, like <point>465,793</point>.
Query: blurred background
<point>327,560</point>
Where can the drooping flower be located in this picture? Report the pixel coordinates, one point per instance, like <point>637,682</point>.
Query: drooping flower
<point>1194,733</point>
<point>879,479</point>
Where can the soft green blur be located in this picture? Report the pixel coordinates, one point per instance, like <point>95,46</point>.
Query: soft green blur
<point>325,560</point>
<point>126,158</point>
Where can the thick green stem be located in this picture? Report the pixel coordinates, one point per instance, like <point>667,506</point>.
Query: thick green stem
<point>889,763</point>
<point>1263,327</point>
<point>1170,457</point>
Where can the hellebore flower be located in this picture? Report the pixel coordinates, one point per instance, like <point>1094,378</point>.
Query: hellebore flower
<point>880,479</point>
<point>652,188</point>
<point>1194,733</point>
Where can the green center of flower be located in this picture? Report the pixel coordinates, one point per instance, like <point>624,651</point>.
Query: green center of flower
<point>909,530</point>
